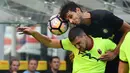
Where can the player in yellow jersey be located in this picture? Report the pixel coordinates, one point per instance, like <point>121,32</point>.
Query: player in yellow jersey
<point>87,50</point>
<point>124,55</point>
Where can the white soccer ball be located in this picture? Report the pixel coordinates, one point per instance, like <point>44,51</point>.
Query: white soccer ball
<point>57,26</point>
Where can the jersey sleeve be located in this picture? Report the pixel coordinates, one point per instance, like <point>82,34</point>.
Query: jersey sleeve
<point>67,45</point>
<point>109,45</point>
<point>114,21</point>
<point>125,49</point>
<point>122,56</point>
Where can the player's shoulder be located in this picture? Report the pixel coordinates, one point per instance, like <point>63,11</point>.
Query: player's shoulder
<point>97,38</point>
<point>100,12</point>
<point>65,41</point>
<point>100,39</point>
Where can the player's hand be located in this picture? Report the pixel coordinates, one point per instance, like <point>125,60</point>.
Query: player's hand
<point>108,56</point>
<point>26,30</point>
<point>71,56</point>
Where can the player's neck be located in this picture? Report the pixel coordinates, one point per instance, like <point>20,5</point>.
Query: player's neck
<point>90,43</point>
<point>31,71</point>
<point>86,18</point>
<point>54,70</point>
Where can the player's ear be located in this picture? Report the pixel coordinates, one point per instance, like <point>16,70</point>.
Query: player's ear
<point>78,10</point>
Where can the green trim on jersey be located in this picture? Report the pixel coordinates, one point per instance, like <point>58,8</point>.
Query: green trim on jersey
<point>88,61</point>
<point>124,54</point>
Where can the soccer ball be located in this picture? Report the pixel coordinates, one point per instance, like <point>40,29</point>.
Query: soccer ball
<point>57,26</point>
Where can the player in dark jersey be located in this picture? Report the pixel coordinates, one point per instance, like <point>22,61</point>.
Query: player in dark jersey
<point>98,23</point>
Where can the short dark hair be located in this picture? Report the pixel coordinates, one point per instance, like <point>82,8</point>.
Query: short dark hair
<point>32,59</point>
<point>53,57</point>
<point>13,59</point>
<point>66,7</point>
<point>74,32</point>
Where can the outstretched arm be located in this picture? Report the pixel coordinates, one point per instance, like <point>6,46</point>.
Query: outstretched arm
<point>54,43</point>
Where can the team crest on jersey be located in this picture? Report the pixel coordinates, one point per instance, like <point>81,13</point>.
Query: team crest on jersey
<point>99,51</point>
<point>105,30</point>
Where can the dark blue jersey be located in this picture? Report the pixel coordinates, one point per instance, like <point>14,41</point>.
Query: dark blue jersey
<point>104,24</point>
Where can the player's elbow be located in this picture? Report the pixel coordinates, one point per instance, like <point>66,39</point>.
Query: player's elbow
<point>125,27</point>
<point>54,43</point>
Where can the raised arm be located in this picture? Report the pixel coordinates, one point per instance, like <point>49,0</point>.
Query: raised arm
<point>52,43</point>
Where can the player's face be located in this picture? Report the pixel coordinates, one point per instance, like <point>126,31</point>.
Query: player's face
<point>80,42</point>
<point>73,17</point>
<point>15,66</point>
<point>55,64</point>
<point>32,66</point>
